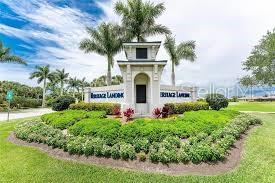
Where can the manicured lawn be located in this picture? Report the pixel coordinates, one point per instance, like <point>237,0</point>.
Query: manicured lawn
<point>252,106</point>
<point>24,164</point>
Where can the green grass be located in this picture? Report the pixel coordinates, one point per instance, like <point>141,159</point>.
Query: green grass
<point>25,164</point>
<point>252,106</point>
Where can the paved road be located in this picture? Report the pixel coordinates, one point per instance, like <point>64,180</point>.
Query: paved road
<point>24,113</point>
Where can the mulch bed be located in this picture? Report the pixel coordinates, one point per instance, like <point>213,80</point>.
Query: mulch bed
<point>231,161</point>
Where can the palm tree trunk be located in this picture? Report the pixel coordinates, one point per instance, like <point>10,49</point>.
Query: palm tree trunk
<point>73,92</point>
<point>82,96</point>
<point>61,88</point>
<point>173,74</point>
<point>109,75</point>
<point>44,92</point>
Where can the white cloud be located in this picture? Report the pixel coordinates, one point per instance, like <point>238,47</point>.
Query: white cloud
<point>63,26</point>
<point>225,33</point>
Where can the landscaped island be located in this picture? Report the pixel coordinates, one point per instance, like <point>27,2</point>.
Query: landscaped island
<point>197,136</point>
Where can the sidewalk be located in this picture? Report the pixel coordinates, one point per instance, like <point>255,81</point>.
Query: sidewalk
<point>24,113</point>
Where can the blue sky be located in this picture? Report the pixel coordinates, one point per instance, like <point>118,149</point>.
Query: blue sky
<point>49,31</point>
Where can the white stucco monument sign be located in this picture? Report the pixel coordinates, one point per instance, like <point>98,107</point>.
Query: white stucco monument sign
<point>141,89</point>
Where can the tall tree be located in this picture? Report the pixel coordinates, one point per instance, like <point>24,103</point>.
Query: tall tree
<point>104,41</point>
<point>42,73</point>
<point>52,85</point>
<point>82,84</point>
<point>248,81</point>
<point>73,84</point>
<point>116,80</point>
<point>185,50</point>
<point>261,61</point>
<point>6,57</point>
<point>101,81</point>
<point>62,78</point>
<point>138,19</point>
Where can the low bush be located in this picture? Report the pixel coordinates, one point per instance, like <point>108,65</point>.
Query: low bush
<point>109,108</point>
<point>216,101</point>
<point>180,108</point>
<point>101,137</point>
<point>107,129</point>
<point>41,133</point>
<point>191,124</point>
<point>62,103</point>
<point>115,151</point>
<point>141,145</point>
<point>65,119</point>
<point>142,156</point>
<point>127,151</point>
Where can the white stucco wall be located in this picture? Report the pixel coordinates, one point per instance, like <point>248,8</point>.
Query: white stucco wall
<point>141,71</point>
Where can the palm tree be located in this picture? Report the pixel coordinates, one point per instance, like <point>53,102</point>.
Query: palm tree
<point>53,85</point>
<point>42,73</point>
<point>185,50</point>
<point>82,84</point>
<point>116,80</point>
<point>62,78</point>
<point>101,81</point>
<point>73,84</point>
<point>6,57</point>
<point>138,19</point>
<point>104,41</point>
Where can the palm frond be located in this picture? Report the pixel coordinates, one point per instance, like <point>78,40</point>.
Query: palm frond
<point>186,50</point>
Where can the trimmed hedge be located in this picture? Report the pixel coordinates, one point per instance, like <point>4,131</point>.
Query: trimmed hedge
<point>183,127</point>
<point>65,119</point>
<point>107,129</point>
<point>109,108</point>
<point>180,108</point>
<point>200,148</point>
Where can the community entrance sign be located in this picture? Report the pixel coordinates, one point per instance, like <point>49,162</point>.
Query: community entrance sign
<point>141,89</point>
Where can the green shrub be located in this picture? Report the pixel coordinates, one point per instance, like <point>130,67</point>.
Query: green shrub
<point>62,103</point>
<point>216,101</point>
<point>97,138</point>
<point>142,156</point>
<point>106,151</point>
<point>64,119</point>
<point>109,108</point>
<point>76,145</point>
<point>172,141</point>
<point>115,151</point>
<point>98,144</point>
<point>107,129</point>
<point>41,133</point>
<point>153,155</point>
<point>127,151</point>
<point>88,147</point>
<point>183,156</point>
<point>141,145</point>
<point>180,108</point>
<point>191,124</point>
<point>23,102</point>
